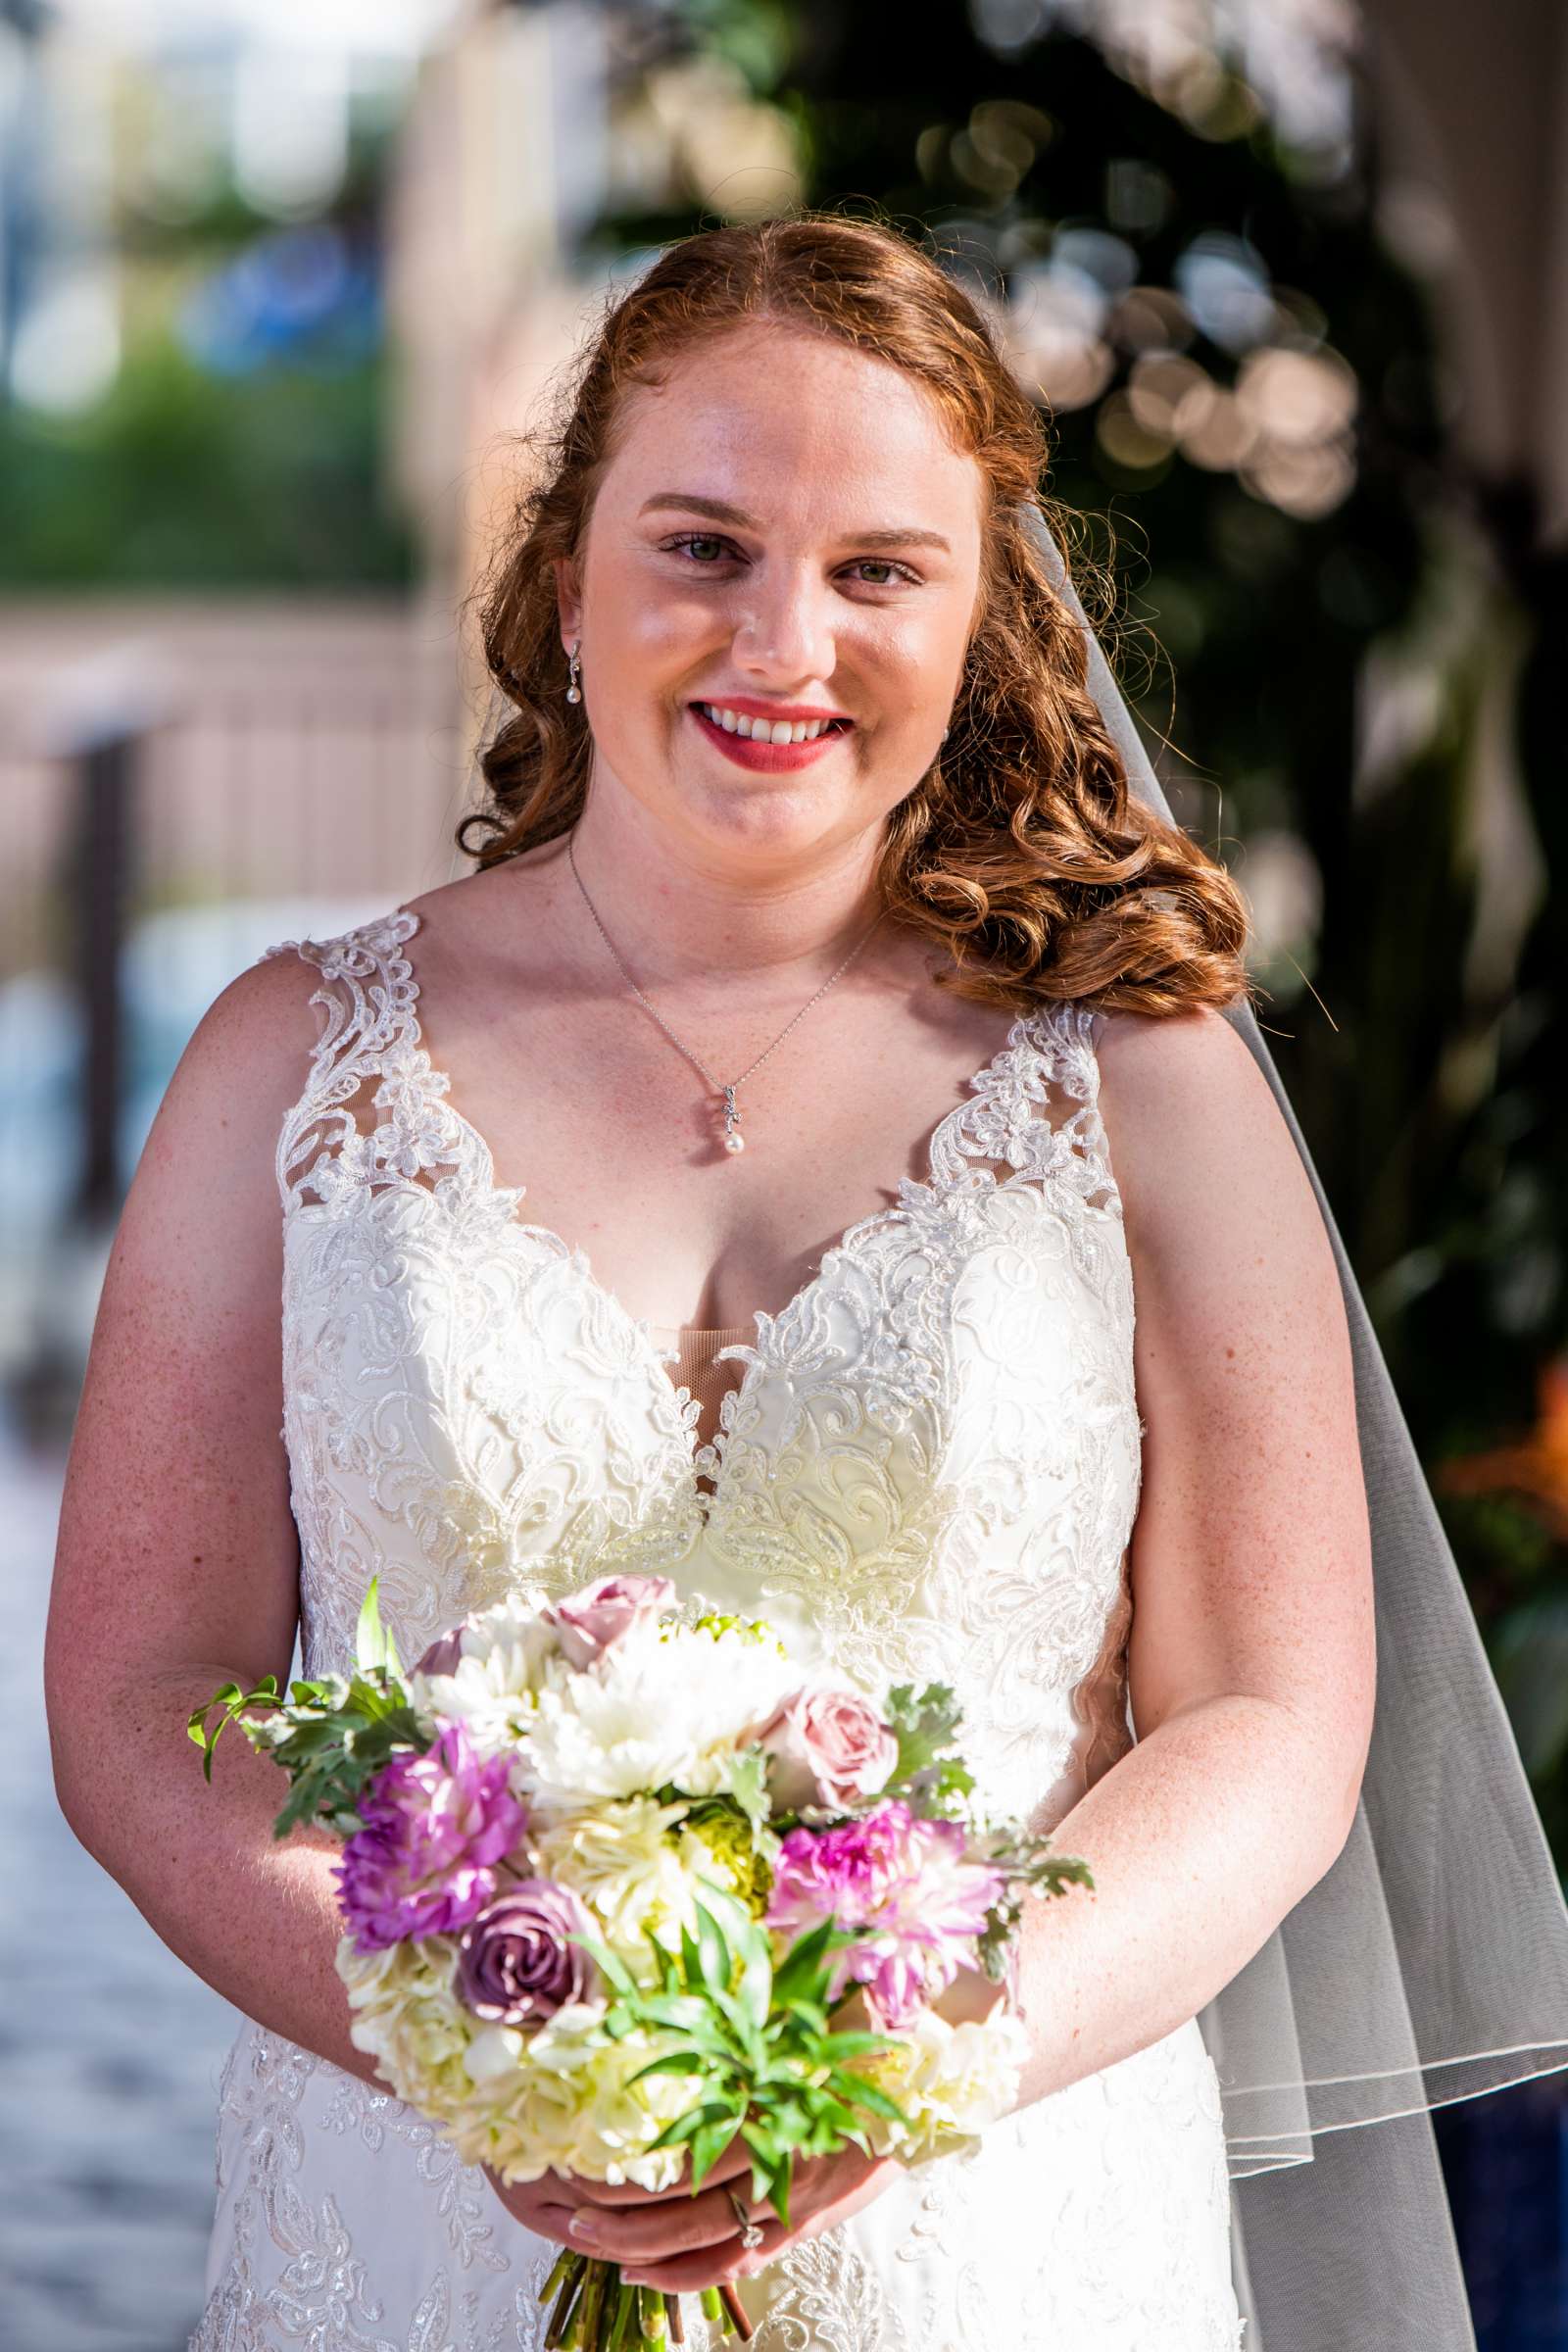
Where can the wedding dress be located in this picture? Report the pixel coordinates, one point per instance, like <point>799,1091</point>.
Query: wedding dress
<point>928,1468</point>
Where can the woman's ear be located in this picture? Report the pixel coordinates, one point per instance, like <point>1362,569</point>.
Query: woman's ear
<point>569,601</point>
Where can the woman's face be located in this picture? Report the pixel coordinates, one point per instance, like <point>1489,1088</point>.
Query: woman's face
<point>783,530</point>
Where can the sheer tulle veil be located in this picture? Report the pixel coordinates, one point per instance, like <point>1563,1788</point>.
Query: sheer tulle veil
<point>1431,1962</point>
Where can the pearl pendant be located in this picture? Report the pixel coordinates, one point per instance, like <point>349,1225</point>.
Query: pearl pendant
<point>734,1140</point>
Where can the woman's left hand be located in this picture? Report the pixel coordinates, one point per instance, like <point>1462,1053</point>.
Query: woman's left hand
<point>645,2232</point>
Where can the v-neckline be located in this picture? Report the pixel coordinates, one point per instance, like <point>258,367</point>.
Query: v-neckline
<point>576,1256</point>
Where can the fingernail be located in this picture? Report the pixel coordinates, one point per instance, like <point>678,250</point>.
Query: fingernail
<point>588,2230</point>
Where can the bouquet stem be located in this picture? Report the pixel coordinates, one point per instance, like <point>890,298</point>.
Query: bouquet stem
<point>626,2305</point>
<point>729,2296</point>
<point>571,2277</point>
<point>595,2311</point>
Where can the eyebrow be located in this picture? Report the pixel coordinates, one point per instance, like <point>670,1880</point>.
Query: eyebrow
<point>719,511</point>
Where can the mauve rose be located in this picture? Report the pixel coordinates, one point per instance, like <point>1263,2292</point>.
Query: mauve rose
<point>589,1621</point>
<point>827,1747</point>
<point>516,1963</point>
<point>443,1653</point>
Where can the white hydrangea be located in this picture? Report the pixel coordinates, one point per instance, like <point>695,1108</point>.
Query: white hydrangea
<point>951,2080</point>
<point>408,2019</point>
<point>562,2098</point>
<point>558,2096</point>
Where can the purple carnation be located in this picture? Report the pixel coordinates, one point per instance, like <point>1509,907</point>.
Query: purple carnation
<point>435,1828</point>
<point>904,1879</point>
<point>517,1961</point>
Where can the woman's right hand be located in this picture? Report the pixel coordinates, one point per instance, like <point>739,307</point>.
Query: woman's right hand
<point>666,2224</point>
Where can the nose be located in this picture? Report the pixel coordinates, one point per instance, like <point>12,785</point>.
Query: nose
<point>785,631</point>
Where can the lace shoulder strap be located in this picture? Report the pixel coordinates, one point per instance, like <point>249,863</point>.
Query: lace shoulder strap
<point>370,1034</point>
<point>1037,1108</point>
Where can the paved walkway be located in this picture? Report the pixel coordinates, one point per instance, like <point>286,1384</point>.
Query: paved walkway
<point>110,2047</point>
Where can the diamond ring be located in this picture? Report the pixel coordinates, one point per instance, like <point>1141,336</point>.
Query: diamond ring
<point>751,2234</point>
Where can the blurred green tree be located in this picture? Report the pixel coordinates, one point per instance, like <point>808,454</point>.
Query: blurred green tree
<point>1248,401</point>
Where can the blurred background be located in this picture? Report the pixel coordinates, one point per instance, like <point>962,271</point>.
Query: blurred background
<point>278,282</point>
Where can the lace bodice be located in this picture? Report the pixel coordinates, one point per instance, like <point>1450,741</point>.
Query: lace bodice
<point>929,1468</point>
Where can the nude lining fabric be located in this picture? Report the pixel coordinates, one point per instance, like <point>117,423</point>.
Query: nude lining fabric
<point>695,1368</point>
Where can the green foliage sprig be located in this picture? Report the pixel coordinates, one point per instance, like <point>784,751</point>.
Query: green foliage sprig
<point>774,2069</point>
<point>929,1773</point>
<point>1030,1867</point>
<point>332,1735</point>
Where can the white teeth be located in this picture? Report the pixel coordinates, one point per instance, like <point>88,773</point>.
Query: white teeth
<point>764,730</point>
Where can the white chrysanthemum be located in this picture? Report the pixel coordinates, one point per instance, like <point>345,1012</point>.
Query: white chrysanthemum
<point>506,1653</point>
<point>635,1877</point>
<point>669,1704</point>
<point>951,2080</point>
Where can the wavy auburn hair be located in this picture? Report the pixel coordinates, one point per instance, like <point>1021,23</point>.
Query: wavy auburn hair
<point>1022,852</point>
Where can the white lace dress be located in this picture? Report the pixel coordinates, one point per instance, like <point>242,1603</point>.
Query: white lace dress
<point>928,1471</point>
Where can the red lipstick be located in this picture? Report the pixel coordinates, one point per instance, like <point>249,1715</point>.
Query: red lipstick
<point>768,758</point>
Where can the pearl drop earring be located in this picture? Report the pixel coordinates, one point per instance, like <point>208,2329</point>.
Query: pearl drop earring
<point>573,689</point>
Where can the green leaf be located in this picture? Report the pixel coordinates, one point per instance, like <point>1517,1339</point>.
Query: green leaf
<point>749,1787</point>
<point>709,2143</point>
<point>928,1772</point>
<point>778,2187</point>
<point>771,2171</point>
<point>694,2120</point>
<point>686,2013</point>
<point>837,2048</point>
<point>754,1994</point>
<point>372,1644</point>
<point>860,2094</point>
<point>613,1968</point>
<point>665,1961</point>
<point>715,1962</point>
<point>673,2062</point>
<point>802,1973</point>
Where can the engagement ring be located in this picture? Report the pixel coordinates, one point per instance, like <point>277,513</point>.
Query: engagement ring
<point>751,2234</point>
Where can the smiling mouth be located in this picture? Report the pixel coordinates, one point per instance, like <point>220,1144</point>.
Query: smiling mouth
<point>777,732</point>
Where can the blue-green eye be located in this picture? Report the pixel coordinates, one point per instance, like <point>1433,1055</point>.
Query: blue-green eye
<point>689,541</point>
<point>697,539</point>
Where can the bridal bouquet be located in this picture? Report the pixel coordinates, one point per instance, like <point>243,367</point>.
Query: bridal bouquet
<point>613,1872</point>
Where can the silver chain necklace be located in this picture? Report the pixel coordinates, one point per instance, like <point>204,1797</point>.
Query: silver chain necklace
<point>734,1140</point>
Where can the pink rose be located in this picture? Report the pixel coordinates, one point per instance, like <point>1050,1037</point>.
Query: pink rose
<point>827,1745</point>
<point>603,1613</point>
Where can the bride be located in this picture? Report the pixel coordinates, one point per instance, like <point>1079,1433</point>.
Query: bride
<point>807,1276</point>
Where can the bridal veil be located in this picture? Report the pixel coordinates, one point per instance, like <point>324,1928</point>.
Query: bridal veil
<point>1431,1962</point>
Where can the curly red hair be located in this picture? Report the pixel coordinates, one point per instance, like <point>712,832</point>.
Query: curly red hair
<point>1022,852</point>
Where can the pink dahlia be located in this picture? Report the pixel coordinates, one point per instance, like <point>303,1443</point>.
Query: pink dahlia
<point>435,1828</point>
<point>904,1879</point>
